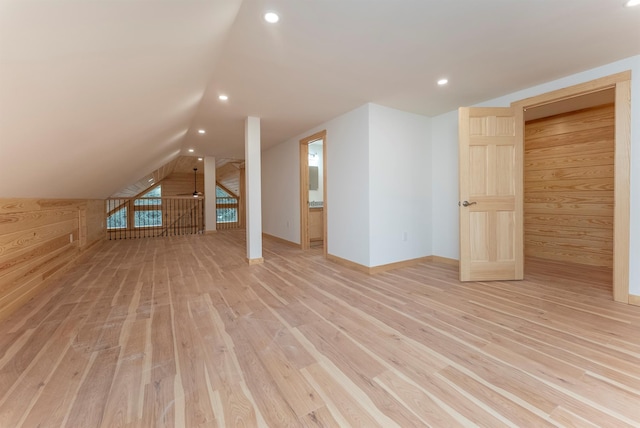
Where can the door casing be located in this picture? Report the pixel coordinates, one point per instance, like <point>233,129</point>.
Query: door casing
<point>304,189</point>
<point>621,83</point>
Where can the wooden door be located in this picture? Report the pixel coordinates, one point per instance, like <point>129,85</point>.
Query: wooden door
<point>491,162</point>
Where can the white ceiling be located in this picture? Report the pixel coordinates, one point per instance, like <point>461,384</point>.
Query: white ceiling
<point>95,95</point>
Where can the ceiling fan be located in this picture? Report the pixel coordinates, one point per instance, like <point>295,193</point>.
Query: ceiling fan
<point>195,193</point>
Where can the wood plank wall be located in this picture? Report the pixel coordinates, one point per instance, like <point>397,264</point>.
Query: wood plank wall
<point>568,187</point>
<point>40,238</point>
<point>181,184</point>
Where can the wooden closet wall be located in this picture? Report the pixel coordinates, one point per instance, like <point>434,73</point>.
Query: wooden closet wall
<point>40,238</point>
<point>568,187</point>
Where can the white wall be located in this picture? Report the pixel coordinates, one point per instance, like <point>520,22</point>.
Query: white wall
<point>347,186</point>
<point>399,186</point>
<point>378,186</point>
<point>444,168</point>
<point>281,191</point>
<point>445,162</point>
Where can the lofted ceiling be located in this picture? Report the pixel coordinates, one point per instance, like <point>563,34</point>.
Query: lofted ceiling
<point>95,96</point>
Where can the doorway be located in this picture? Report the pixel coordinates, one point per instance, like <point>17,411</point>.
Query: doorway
<point>313,192</point>
<point>491,199</point>
<point>569,181</point>
<point>619,86</point>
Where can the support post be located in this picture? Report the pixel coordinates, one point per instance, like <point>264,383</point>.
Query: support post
<point>210,213</point>
<point>253,190</point>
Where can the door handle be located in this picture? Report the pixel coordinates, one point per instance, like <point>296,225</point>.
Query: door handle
<point>467,203</point>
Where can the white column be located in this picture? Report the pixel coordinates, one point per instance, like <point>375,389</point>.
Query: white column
<point>210,194</point>
<point>253,183</point>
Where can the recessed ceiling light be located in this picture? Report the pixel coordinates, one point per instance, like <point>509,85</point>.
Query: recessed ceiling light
<point>191,150</point>
<point>201,131</point>
<point>271,17</point>
<point>223,97</point>
<point>150,180</point>
<point>442,82</point>
<point>200,159</point>
<point>631,3</point>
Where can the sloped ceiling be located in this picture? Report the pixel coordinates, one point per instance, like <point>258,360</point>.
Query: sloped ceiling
<point>94,96</point>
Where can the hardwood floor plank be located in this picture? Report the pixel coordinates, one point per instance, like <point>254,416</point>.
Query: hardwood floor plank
<point>346,408</point>
<point>35,345</point>
<point>348,358</point>
<point>89,405</point>
<point>124,404</point>
<point>430,410</point>
<point>321,417</point>
<point>192,369</point>
<point>507,407</point>
<point>58,394</point>
<point>159,403</point>
<point>163,360</point>
<point>273,407</point>
<point>182,332</point>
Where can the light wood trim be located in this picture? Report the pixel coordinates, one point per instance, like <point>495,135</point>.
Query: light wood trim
<point>622,83</point>
<point>574,91</point>
<point>374,270</point>
<point>348,263</point>
<point>280,240</point>
<point>256,261</point>
<point>304,194</point>
<point>304,188</point>
<point>634,300</point>
<point>399,265</point>
<point>622,208</point>
<point>445,260</point>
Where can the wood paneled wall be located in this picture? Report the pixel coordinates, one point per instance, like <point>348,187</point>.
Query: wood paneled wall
<point>181,184</point>
<point>39,238</point>
<point>568,185</point>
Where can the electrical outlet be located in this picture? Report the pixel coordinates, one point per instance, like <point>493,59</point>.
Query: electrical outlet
<point>71,238</point>
<point>404,236</point>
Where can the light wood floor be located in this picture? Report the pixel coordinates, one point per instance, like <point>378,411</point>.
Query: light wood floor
<point>182,332</point>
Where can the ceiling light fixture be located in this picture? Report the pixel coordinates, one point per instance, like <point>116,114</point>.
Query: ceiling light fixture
<point>191,150</point>
<point>271,17</point>
<point>150,180</point>
<point>443,82</point>
<point>223,97</point>
<point>201,131</point>
<point>631,3</point>
<point>200,159</point>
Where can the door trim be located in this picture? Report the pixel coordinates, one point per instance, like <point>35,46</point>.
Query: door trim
<point>621,82</point>
<point>304,189</point>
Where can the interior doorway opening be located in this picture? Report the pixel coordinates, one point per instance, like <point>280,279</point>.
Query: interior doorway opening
<point>569,183</point>
<point>313,192</point>
<point>619,86</point>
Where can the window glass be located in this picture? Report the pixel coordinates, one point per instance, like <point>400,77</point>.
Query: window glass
<point>117,220</point>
